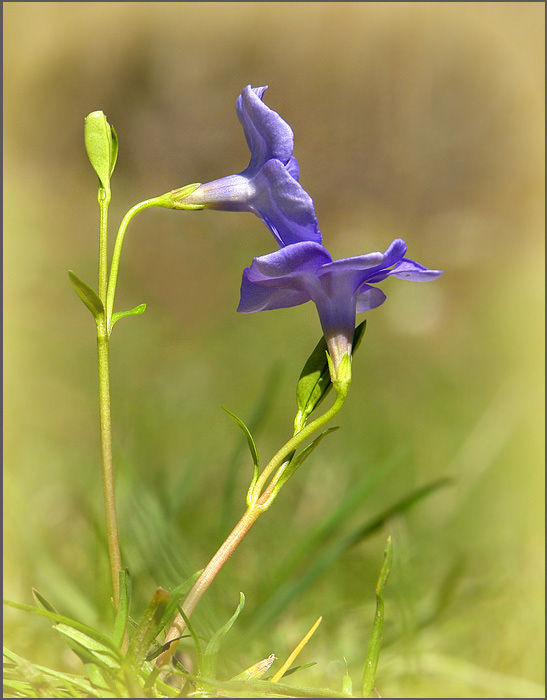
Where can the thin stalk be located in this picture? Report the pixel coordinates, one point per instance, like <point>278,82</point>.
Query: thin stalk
<point>115,263</point>
<point>207,576</point>
<point>261,503</point>
<point>107,293</point>
<point>107,464</point>
<point>293,443</point>
<point>104,406</point>
<point>104,201</point>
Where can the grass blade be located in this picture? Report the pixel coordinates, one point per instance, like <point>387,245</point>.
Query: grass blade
<point>373,653</point>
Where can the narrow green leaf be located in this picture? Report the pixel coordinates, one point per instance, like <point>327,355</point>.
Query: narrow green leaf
<point>41,601</point>
<point>62,619</point>
<point>148,628</point>
<point>300,458</point>
<point>315,383</point>
<point>176,594</point>
<point>140,309</point>
<point>96,652</point>
<point>264,402</point>
<point>373,653</point>
<point>122,616</point>
<point>211,652</point>
<point>101,146</point>
<point>87,295</point>
<point>252,449</point>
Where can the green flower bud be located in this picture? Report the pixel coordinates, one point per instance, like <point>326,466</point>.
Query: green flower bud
<point>101,144</point>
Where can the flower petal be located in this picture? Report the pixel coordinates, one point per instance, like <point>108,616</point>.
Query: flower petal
<point>370,261</point>
<point>278,294</point>
<point>411,270</point>
<point>230,193</point>
<point>290,261</point>
<point>283,204</point>
<point>369,298</point>
<point>268,135</point>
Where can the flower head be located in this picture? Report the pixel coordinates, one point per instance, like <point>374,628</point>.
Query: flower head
<point>269,185</point>
<point>340,289</point>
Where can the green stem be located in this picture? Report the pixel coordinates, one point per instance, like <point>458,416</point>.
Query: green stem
<point>104,201</point>
<point>104,406</point>
<point>107,462</point>
<point>260,503</point>
<point>278,459</point>
<point>115,263</point>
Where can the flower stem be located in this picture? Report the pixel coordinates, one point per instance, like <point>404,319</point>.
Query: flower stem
<point>260,503</point>
<point>115,263</point>
<point>278,459</point>
<point>207,576</point>
<point>107,462</point>
<point>104,405</point>
<point>104,201</point>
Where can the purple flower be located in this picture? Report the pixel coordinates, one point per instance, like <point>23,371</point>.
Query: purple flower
<point>269,186</point>
<point>340,289</point>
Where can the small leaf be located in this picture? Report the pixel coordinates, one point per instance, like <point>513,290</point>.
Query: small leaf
<point>297,461</point>
<point>148,628</point>
<point>140,309</point>
<point>252,449</point>
<point>87,295</point>
<point>122,616</point>
<point>101,145</point>
<point>315,383</point>
<point>371,662</point>
<point>176,594</point>
<point>347,683</point>
<point>96,652</point>
<point>56,617</point>
<point>211,652</point>
<point>42,602</point>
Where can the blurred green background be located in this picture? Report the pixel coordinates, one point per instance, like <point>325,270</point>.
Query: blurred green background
<point>418,120</point>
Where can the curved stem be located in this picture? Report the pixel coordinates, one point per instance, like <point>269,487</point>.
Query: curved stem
<point>259,505</point>
<point>115,263</point>
<point>207,576</point>
<point>292,444</point>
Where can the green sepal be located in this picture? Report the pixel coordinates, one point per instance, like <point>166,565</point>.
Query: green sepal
<point>252,449</point>
<point>114,151</point>
<point>140,309</point>
<point>299,459</point>
<point>210,655</point>
<point>373,652</point>
<point>175,198</point>
<point>101,144</point>
<point>122,616</point>
<point>315,380</point>
<point>87,295</point>
<point>148,628</point>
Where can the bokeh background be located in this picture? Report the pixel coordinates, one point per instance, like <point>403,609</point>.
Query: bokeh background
<point>418,120</point>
